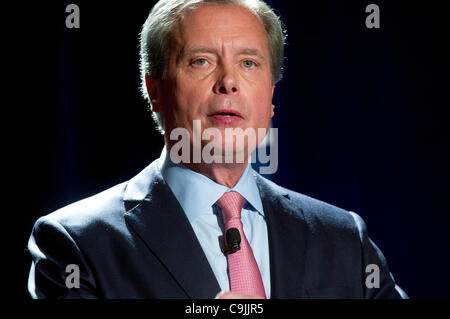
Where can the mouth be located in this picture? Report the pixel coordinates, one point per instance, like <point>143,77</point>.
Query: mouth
<point>227,113</point>
<point>226,117</point>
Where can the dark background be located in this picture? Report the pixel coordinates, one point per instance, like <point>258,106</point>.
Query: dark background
<point>360,112</point>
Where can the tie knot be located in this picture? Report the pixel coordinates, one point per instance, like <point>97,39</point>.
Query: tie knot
<point>231,204</point>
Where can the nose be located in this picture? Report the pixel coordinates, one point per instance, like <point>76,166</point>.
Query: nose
<point>226,83</point>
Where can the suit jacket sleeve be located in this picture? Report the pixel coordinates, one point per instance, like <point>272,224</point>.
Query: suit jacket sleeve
<point>52,249</point>
<point>374,260</point>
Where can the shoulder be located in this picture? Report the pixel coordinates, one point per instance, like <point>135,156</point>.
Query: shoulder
<point>319,215</point>
<point>100,211</point>
<point>105,210</point>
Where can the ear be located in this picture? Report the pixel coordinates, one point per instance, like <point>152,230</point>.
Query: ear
<point>272,106</point>
<point>154,93</point>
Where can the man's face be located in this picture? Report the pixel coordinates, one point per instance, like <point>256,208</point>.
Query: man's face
<point>218,72</point>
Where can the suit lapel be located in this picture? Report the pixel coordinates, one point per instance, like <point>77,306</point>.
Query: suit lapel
<point>286,229</point>
<point>163,226</point>
<point>155,214</point>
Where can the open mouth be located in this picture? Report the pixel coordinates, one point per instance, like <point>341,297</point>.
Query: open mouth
<point>226,114</point>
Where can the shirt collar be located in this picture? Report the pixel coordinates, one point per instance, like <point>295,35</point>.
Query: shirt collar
<point>197,193</point>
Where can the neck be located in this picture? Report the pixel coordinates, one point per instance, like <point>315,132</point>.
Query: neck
<point>224,174</point>
<point>227,174</point>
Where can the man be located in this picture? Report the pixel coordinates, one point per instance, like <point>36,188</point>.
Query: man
<point>189,227</point>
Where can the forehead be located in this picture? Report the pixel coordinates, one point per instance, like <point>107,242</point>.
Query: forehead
<point>218,25</point>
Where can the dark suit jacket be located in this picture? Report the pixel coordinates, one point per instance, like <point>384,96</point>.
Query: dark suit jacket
<point>134,241</point>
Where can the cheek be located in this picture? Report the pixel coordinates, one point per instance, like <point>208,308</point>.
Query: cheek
<point>262,106</point>
<point>177,105</point>
<point>189,96</point>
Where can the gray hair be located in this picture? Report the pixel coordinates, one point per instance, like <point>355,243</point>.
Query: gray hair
<point>156,35</point>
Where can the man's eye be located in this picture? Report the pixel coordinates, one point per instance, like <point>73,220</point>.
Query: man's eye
<point>249,64</point>
<point>200,62</point>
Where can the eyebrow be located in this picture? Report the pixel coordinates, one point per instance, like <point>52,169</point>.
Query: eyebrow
<point>204,49</point>
<point>195,50</point>
<point>250,51</point>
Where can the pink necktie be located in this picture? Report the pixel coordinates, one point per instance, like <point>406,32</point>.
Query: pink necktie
<point>243,270</point>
